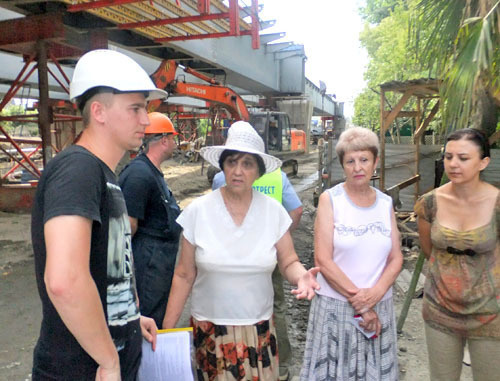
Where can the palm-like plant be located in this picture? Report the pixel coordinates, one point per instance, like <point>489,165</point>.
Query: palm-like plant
<point>462,49</point>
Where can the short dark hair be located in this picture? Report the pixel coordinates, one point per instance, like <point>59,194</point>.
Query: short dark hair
<point>148,139</point>
<point>230,152</point>
<point>478,137</point>
<point>83,100</point>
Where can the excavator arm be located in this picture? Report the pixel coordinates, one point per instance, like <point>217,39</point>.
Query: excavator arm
<point>213,92</point>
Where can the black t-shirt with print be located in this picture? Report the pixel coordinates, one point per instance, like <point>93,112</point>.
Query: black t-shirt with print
<point>76,182</point>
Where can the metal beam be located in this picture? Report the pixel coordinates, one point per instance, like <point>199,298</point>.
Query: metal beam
<point>270,37</point>
<point>245,72</point>
<point>43,106</point>
<point>11,65</point>
<point>248,10</point>
<point>28,29</point>
<point>99,4</point>
<point>271,48</point>
<point>194,37</point>
<point>323,105</point>
<point>234,18</point>
<point>202,36</point>
<point>267,24</point>
<point>21,140</point>
<point>242,65</point>
<point>288,53</point>
<point>173,20</point>
<point>204,6</point>
<point>255,25</point>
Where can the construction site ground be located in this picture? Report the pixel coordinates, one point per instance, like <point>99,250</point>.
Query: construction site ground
<point>20,308</point>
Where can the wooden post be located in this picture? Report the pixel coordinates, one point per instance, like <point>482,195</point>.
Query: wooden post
<point>411,292</point>
<point>44,107</point>
<point>330,159</point>
<point>321,165</point>
<point>417,145</point>
<point>382,141</point>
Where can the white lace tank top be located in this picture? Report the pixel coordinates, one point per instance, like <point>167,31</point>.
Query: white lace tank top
<point>361,240</point>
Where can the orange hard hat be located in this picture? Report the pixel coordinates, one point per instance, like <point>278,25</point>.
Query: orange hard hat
<point>160,124</point>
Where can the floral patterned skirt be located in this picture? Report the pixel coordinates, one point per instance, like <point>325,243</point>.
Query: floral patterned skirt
<point>235,352</point>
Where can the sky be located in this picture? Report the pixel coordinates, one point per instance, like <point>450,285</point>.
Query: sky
<point>329,31</point>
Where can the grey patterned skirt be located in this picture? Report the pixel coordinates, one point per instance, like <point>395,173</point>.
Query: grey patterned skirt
<point>337,350</point>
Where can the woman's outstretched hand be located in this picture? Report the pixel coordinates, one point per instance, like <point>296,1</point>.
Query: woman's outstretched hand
<point>307,284</point>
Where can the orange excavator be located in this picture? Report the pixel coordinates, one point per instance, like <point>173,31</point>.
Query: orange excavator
<point>274,127</point>
<point>213,92</point>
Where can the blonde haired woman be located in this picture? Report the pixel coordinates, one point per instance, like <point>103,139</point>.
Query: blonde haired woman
<point>356,245</point>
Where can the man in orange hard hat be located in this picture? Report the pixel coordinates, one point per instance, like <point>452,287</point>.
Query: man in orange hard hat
<point>152,211</point>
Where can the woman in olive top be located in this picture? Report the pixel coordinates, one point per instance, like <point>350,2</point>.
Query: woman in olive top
<point>459,227</point>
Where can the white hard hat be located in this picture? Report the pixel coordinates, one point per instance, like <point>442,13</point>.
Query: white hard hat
<point>109,68</point>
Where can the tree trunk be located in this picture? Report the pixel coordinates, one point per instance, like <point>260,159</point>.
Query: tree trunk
<point>398,133</point>
<point>486,115</point>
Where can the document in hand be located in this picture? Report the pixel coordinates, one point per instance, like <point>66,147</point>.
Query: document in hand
<point>170,361</point>
<point>358,319</point>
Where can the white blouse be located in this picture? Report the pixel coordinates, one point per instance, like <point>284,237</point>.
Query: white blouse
<point>234,263</point>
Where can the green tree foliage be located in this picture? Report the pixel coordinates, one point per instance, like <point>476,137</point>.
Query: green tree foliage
<point>13,127</point>
<point>391,58</point>
<point>462,49</point>
<point>387,46</point>
<point>374,11</point>
<point>366,106</point>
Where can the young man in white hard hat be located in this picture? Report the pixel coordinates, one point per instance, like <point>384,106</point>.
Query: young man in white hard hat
<point>152,211</point>
<point>91,327</point>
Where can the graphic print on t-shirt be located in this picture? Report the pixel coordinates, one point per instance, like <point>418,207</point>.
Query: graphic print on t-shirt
<point>121,297</point>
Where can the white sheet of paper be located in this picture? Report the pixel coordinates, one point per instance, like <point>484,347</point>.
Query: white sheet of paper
<point>171,360</point>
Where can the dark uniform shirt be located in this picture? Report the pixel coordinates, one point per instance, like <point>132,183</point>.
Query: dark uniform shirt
<point>156,241</point>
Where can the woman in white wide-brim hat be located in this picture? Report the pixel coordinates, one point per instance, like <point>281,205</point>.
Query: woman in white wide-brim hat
<point>231,241</point>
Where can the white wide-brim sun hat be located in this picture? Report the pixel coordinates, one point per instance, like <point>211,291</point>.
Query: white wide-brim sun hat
<point>241,137</point>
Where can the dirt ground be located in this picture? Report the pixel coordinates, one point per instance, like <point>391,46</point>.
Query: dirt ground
<point>20,308</point>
